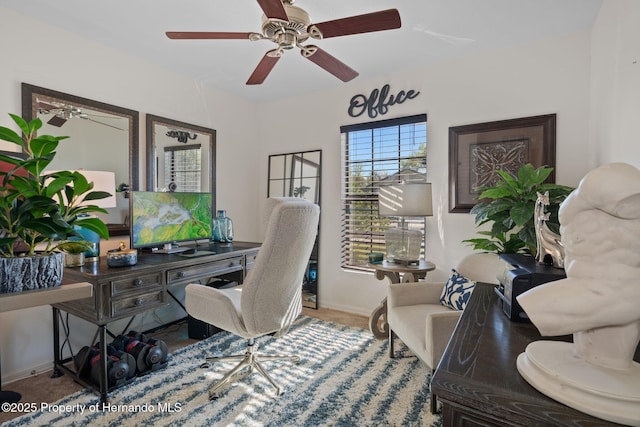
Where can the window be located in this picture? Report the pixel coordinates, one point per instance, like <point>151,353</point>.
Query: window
<point>376,154</point>
<point>182,168</point>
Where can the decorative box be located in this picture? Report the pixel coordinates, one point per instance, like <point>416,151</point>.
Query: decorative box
<point>122,257</point>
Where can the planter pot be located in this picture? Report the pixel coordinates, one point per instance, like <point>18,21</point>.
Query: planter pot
<point>74,260</point>
<point>27,273</point>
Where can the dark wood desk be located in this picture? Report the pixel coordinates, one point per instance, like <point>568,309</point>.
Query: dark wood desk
<point>477,379</point>
<point>124,292</point>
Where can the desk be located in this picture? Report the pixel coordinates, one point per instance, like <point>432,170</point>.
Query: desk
<point>38,297</point>
<point>478,382</point>
<point>396,273</point>
<point>125,292</point>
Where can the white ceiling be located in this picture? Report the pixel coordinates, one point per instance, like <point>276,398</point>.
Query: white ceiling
<point>432,31</point>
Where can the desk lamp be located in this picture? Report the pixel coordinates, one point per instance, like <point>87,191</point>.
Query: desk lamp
<point>411,199</point>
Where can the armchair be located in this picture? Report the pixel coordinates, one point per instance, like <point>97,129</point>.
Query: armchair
<point>270,298</point>
<point>416,316</point>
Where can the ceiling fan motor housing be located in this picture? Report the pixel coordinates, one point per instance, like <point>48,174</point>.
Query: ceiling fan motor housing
<point>287,34</point>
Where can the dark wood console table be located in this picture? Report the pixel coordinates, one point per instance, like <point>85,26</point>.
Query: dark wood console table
<point>125,292</point>
<point>477,379</point>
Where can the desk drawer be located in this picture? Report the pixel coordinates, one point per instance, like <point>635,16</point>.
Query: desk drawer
<point>251,258</point>
<point>138,304</point>
<point>196,272</point>
<point>136,283</point>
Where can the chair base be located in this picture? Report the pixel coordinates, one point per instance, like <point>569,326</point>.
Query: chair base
<point>249,362</point>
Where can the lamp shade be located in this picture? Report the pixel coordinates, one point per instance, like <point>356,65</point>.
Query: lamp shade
<point>102,181</point>
<point>409,199</point>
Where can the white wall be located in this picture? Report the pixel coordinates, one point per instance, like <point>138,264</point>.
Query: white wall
<point>615,83</point>
<point>542,78</point>
<point>45,56</point>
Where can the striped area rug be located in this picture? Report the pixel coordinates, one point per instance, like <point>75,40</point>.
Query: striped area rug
<point>345,378</point>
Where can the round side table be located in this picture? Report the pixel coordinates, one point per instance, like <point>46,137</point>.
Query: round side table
<point>396,273</point>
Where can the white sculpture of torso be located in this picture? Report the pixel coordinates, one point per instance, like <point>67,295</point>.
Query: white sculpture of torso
<point>598,302</point>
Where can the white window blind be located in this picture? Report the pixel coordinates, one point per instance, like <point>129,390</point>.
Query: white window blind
<point>375,154</point>
<point>182,167</point>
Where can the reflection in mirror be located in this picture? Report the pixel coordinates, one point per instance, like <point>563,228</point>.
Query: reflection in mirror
<point>295,175</point>
<point>298,175</point>
<point>180,157</point>
<point>102,137</point>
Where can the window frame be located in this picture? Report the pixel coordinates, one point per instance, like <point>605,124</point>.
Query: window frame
<point>372,239</point>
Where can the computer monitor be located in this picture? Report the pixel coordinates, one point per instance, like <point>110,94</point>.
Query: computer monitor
<point>159,220</point>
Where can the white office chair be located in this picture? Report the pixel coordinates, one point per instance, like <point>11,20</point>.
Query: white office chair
<point>270,297</point>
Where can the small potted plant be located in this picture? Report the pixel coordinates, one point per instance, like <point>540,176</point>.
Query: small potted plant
<point>39,210</point>
<point>74,252</point>
<point>509,206</point>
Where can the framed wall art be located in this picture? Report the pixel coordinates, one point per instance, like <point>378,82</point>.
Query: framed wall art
<point>477,151</point>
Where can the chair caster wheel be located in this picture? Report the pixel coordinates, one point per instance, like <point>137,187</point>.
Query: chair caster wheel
<point>205,365</point>
<point>213,396</point>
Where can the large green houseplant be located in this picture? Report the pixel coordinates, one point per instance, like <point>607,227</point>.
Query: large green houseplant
<point>39,210</point>
<point>508,207</point>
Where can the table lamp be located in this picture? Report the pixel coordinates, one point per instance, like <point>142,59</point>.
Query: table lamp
<point>411,199</point>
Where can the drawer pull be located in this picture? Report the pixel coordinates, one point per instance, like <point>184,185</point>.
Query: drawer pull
<point>138,302</point>
<point>181,274</point>
<point>138,282</point>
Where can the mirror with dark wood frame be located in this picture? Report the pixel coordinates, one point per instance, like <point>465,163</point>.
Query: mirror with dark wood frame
<point>102,137</point>
<point>180,157</point>
<point>298,175</point>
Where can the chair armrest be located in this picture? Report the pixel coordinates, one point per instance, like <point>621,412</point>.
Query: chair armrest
<point>401,294</point>
<point>440,327</point>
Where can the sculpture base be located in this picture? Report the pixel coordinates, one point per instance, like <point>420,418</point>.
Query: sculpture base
<point>555,369</point>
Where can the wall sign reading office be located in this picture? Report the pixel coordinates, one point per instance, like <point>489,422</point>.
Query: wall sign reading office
<point>378,101</point>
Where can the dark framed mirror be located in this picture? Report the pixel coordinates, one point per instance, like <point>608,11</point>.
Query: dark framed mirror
<point>299,174</point>
<point>180,157</point>
<point>102,137</point>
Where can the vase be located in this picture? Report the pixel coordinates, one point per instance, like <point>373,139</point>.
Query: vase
<point>222,227</point>
<point>27,273</point>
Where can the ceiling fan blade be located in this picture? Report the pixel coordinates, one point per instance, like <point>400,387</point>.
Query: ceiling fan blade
<point>367,23</point>
<point>263,69</point>
<point>273,9</point>
<point>46,106</point>
<point>57,121</point>
<point>195,35</point>
<point>102,123</point>
<point>329,63</point>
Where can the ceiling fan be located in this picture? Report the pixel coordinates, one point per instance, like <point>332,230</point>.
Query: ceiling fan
<point>289,26</point>
<point>63,112</point>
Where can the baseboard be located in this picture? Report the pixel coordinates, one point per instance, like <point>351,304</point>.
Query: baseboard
<point>26,373</point>
<point>347,308</point>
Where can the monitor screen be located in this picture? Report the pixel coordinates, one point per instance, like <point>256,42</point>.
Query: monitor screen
<point>161,218</point>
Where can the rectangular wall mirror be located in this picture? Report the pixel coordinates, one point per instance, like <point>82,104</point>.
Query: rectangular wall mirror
<point>102,137</point>
<point>298,175</point>
<point>180,157</point>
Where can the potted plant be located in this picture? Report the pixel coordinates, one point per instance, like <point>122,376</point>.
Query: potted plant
<point>508,207</point>
<point>74,252</point>
<point>39,210</point>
